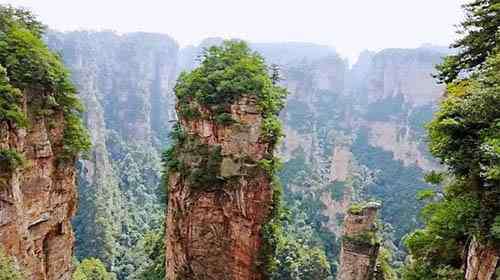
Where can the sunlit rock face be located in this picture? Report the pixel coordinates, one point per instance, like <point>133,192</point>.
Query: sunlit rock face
<point>215,226</point>
<point>482,261</point>
<point>38,201</point>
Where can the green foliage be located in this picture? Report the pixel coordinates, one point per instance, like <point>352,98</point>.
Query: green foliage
<point>495,228</point>
<point>434,177</point>
<point>448,222</point>
<point>271,130</point>
<point>291,248</point>
<point>387,108</point>
<point>272,232</point>
<point>198,163</point>
<point>10,16</point>
<point>299,116</point>
<point>426,194</point>
<point>300,262</point>
<point>10,101</point>
<point>10,160</point>
<point>464,135</point>
<point>465,124</point>
<point>384,266</point>
<point>119,208</point>
<point>356,208</point>
<point>92,269</point>
<point>480,38</point>
<point>365,239</point>
<point>225,74</point>
<point>337,190</point>
<point>419,271</point>
<point>28,66</point>
<point>7,269</point>
<point>153,245</point>
<point>295,170</point>
<point>224,119</point>
<point>75,138</point>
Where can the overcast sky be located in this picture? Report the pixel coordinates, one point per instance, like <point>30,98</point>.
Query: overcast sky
<point>349,25</point>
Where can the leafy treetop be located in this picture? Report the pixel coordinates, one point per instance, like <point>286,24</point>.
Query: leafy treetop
<point>28,66</point>
<point>481,36</point>
<point>227,72</point>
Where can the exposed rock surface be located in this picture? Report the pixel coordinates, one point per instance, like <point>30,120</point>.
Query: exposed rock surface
<point>214,233</point>
<point>38,200</point>
<point>482,262</point>
<point>359,245</point>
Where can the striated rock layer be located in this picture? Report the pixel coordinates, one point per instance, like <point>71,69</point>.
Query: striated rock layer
<point>360,247</point>
<point>214,233</point>
<point>482,262</point>
<point>38,200</point>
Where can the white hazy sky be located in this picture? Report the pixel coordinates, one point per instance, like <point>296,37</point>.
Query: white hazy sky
<point>349,25</point>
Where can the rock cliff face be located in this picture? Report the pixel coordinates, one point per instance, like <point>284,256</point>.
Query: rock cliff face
<point>38,200</point>
<point>220,169</point>
<point>482,262</point>
<point>215,233</point>
<point>360,248</point>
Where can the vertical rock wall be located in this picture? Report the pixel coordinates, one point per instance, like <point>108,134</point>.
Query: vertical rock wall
<point>214,230</point>
<point>482,262</point>
<point>38,200</point>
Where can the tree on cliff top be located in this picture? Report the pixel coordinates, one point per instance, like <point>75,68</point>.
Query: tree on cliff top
<point>28,66</point>
<point>480,37</point>
<point>225,73</point>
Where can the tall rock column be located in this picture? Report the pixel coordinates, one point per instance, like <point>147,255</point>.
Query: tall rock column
<point>360,245</point>
<point>220,168</point>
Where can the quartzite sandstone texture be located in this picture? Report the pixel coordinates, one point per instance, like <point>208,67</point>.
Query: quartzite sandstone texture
<point>359,248</point>
<point>214,233</point>
<point>482,262</point>
<point>38,200</point>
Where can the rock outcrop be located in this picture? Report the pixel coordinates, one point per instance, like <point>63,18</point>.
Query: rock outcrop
<point>220,169</point>
<point>215,233</point>
<point>38,200</point>
<point>482,262</point>
<point>360,246</point>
